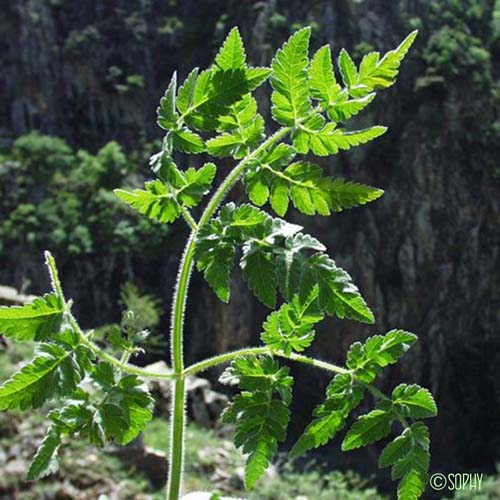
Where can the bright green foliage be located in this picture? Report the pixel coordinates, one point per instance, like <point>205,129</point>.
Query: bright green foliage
<point>322,82</point>
<point>162,201</point>
<point>118,412</point>
<point>118,409</point>
<point>347,69</point>
<point>329,140</point>
<point>275,257</point>
<point>368,359</point>
<point>206,97</point>
<point>408,454</point>
<point>337,294</point>
<point>260,412</point>
<point>368,429</point>
<point>242,129</point>
<point>290,98</point>
<point>346,391</point>
<point>376,73</point>
<point>156,201</point>
<point>35,321</point>
<point>345,194</point>
<point>342,396</point>
<point>232,53</point>
<point>345,108</point>
<point>414,401</point>
<point>217,243</point>
<point>291,327</point>
<point>55,371</point>
<point>127,408</point>
<point>303,184</point>
<point>213,111</point>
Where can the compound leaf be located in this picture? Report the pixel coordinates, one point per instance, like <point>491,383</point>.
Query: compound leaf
<point>261,419</point>
<point>129,409</point>
<point>378,352</point>
<point>376,73</point>
<point>409,456</point>
<point>291,327</point>
<point>157,201</point>
<point>342,397</point>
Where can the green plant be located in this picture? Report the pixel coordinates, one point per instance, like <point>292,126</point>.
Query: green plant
<point>214,111</point>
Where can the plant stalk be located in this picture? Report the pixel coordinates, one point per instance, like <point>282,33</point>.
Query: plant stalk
<point>177,420</point>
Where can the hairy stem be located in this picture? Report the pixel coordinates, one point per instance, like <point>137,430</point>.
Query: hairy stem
<point>188,218</point>
<point>179,305</point>
<point>177,426</point>
<point>120,364</point>
<point>223,358</point>
<point>229,356</point>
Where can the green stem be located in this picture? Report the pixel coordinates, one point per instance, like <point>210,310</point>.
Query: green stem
<point>223,358</point>
<point>188,217</point>
<point>322,365</point>
<point>236,173</point>
<point>54,276</point>
<point>378,394</point>
<point>228,356</point>
<point>180,296</point>
<point>121,364</point>
<point>177,426</point>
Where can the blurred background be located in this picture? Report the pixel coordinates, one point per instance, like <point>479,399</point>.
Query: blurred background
<point>80,82</point>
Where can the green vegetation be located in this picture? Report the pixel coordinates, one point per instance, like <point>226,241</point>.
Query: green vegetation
<point>104,399</point>
<point>60,198</point>
<point>458,44</point>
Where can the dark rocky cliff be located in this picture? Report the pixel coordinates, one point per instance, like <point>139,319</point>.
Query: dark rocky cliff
<point>426,256</point>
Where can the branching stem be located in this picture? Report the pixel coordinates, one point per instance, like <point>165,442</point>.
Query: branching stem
<point>176,454</point>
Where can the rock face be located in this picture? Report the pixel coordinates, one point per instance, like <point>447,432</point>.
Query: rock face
<point>426,256</point>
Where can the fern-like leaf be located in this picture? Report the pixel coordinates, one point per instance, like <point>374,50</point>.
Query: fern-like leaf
<point>260,417</point>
